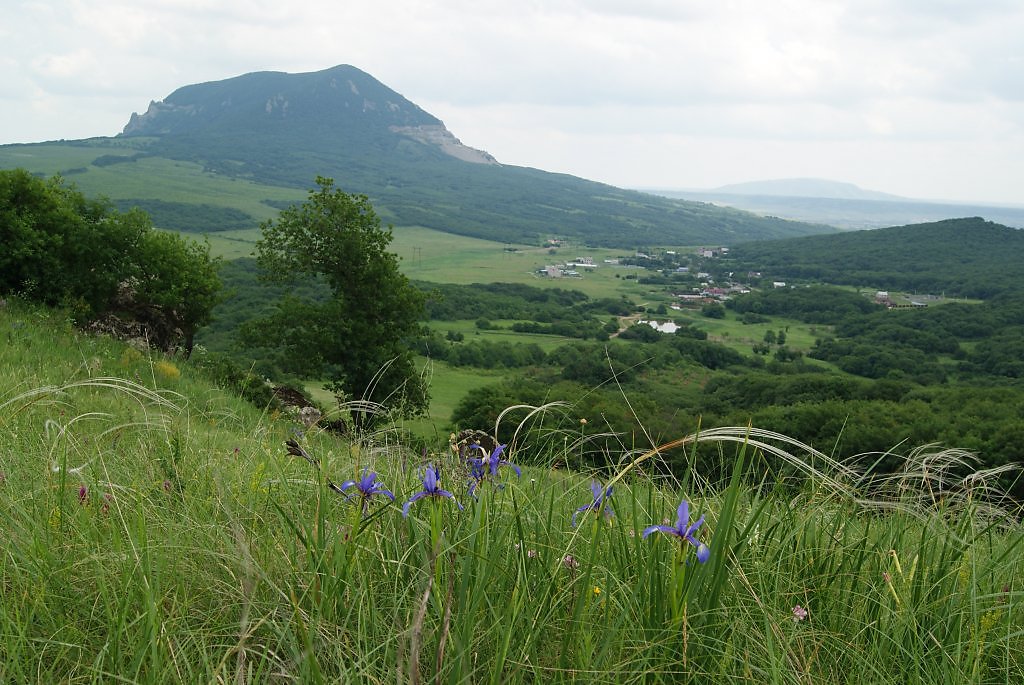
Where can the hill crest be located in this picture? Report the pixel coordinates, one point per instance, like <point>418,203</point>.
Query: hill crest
<point>330,101</point>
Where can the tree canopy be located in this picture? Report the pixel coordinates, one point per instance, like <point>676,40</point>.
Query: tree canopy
<point>61,248</point>
<point>360,338</point>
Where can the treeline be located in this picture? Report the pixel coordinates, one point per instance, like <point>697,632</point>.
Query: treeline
<point>581,361</point>
<point>185,217</point>
<point>449,302</point>
<point>108,268</point>
<point>822,304</point>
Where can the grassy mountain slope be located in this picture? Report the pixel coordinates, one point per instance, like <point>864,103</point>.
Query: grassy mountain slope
<point>271,132</point>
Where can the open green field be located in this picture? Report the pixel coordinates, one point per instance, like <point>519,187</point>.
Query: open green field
<point>503,334</point>
<point>439,257</point>
<point>733,333</point>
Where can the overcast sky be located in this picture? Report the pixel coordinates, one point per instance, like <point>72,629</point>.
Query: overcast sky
<point>922,98</point>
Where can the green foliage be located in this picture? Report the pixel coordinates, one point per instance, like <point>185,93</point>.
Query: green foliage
<point>713,310</point>
<point>186,217</point>
<point>448,302</point>
<point>961,257</point>
<point>818,304</point>
<point>226,373</point>
<point>360,337</point>
<point>61,248</point>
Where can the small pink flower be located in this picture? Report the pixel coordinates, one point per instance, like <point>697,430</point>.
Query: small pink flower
<point>83,494</point>
<point>799,613</point>
<point>570,562</point>
<point>107,498</point>
<point>531,553</point>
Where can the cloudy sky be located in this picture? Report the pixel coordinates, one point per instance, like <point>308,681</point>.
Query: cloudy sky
<point>922,98</point>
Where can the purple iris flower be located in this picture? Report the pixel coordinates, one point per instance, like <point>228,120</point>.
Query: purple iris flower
<point>478,472</point>
<point>600,503</point>
<point>431,488</point>
<point>494,460</point>
<point>367,486</point>
<point>684,531</point>
<point>486,467</point>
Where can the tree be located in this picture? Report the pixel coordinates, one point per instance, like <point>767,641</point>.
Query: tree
<point>361,337</point>
<point>177,278</point>
<point>713,310</point>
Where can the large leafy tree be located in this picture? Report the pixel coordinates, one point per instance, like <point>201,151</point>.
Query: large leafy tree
<point>360,338</point>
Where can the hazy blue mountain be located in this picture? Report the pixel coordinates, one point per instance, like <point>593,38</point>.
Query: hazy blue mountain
<point>804,187</point>
<point>843,205</point>
<point>283,130</point>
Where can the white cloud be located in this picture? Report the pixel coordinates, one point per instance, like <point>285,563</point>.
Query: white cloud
<point>609,89</point>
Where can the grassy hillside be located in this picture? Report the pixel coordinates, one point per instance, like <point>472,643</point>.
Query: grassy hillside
<point>158,531</point>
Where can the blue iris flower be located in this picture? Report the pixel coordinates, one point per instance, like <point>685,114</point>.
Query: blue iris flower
<point>431,488</point>
<point>685,531</point>
<point>600,503</point>
<point>486,467</point>
<point>366,487</point>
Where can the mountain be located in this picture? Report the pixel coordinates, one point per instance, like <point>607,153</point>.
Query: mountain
<point>843,205</point>
<point>277,131</point>
<point>804,187</point>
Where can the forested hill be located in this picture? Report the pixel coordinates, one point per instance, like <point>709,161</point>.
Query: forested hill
<point>960,257</point>
<point>283,130</point>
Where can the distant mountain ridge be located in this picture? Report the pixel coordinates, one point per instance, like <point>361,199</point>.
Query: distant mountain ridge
<point>805,187</point>
<point>843,205</point>
<point>283,130</point>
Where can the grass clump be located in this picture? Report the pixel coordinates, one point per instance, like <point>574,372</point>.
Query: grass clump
<point>162,530</point>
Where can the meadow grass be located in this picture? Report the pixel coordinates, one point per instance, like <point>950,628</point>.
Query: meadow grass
<point>158,530</point>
